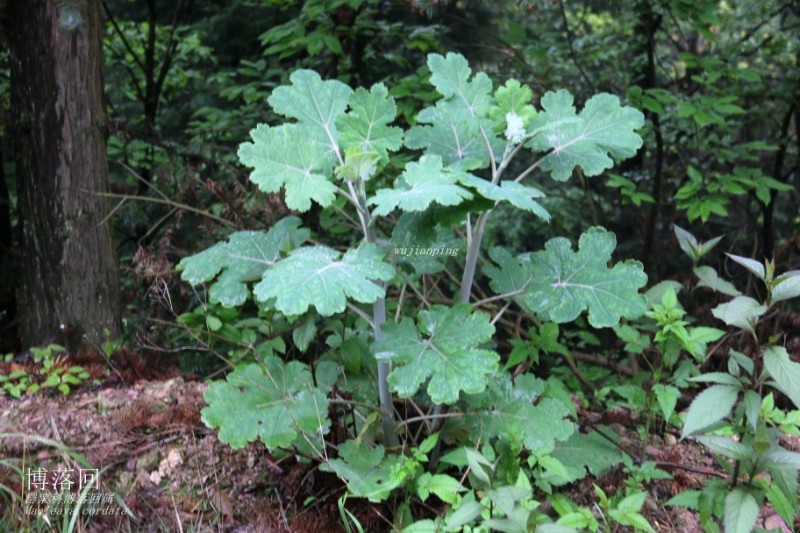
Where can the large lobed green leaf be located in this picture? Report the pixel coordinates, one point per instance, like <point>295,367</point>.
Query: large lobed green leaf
<point>314,103</point>
<point>451,76</point>
<point>559,283</point>
<point>507,410</point>
<point>515,99</point>
<point>321,277</point>
<point>518,195</point>
<point>459,127</point>
<point>366,125</point>
<point>286,156</point>
<point>299,156</point>
<point>448,354</point>
<point>602,129</point>
<point>420,185</point>
<point>275,402</point>
<point>454,137</point>
<point>244,258</point>
<point>368,472</point>
<point>591,451</point>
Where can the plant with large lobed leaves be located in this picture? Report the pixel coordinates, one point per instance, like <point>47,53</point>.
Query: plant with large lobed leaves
<point>339,150</point>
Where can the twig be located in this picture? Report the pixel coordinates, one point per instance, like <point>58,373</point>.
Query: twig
<point>499,297</point>
<point>432,416</point>
<point>360,313</point>
<point>602,361</point>
<point>182,207</point>
<point>572,48</point>
<point>703,471</point>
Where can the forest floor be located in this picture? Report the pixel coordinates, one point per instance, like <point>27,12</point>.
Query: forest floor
<point>160,469</point>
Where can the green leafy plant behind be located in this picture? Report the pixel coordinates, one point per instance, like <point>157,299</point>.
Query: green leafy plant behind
<point>55,374</point>
<point>738,404</point>
<point>338,150</point>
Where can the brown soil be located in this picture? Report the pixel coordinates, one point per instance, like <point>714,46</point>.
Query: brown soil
<point>174,475</point>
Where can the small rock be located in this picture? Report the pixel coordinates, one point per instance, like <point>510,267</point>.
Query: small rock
<point>170,462</point>
<point>124,482</point>
<point>148,461</point>
<point>143,480</point>
<point>161,390</point>
<point>774,521</point>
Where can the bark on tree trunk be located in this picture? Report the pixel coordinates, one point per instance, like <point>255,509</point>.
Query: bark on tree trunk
<point>68,279</point>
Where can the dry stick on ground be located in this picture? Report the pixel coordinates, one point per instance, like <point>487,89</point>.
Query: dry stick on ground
<point>602,361</point>
<point>667,464</point>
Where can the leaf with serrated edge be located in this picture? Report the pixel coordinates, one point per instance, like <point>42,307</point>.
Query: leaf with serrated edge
<point>632,503</point>
<point>741,312</point>
<point>687,242</point>
<point>516,194</point>
<point>560,283</point>
<point>459,129</point>
<point>709,278</point>
<point>709,407</point>
<point>752,408</point>
<point>780,459</point>
<point>667,397</point>
<point>274,403</point>
<point>512,97</point>
<point>317,276</point>
<point>784,371</point>
<point>243,258</point>
<point>507,411</point>
<point>752,265</point>
<point>741,511</point>
<point>444,486</point>
<point>420,185</point>
<point>284,157</point>
<point>366,125</point>
<point>721,378</point>
<point>450,75</point>
<point>592,451</point>
<point>448,353</point>
<point>466,513</point>
<point>368,473</point>
<point>358,165</point>
<point>602,129</point>
<point>453,137</point>
<point>788,286</point>
<point>315,103</point>
<point>727,447</point>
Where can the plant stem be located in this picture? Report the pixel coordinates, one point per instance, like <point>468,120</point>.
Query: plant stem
<point>378,319</point>
<point>387,418</point>
<point>473,251</point>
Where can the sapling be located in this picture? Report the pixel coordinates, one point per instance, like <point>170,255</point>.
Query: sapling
<point>739,401</point>
<point>339,143</point>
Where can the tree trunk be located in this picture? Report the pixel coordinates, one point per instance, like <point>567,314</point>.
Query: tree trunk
<point>68,279</point>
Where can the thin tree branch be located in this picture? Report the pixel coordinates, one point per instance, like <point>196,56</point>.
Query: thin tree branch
<point>572,48</point>
<point>125,42</point>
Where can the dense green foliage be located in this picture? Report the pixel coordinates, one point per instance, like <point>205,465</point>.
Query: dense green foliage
<point>435,220</point>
